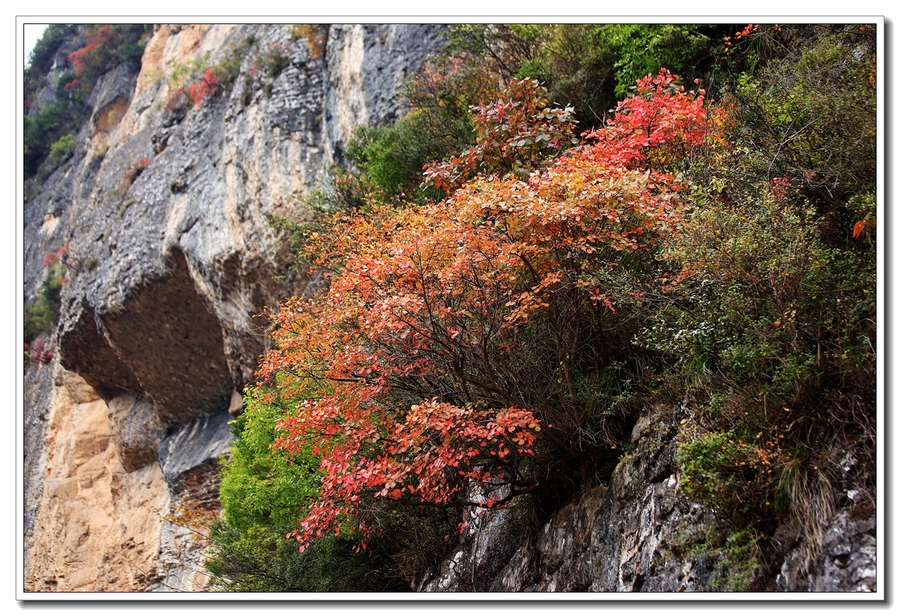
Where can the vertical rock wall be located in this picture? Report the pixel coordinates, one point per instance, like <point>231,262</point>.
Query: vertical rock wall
<point>99,525</point>
<point>170,269</point>
<point>639,532</point>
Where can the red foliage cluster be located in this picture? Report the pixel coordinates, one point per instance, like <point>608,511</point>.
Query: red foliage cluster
<point>52,258</point>
<point>98,40</point>
<point>39,352</point>
<point>406,375</point>
<point>200,90</point>
<point>744,34</point>
<point>197,91</point>
<point>659,125</point>
<point>514,134</point>
<point>132,172</point>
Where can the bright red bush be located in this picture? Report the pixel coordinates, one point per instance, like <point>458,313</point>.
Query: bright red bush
<point>132,172</point>
<point>409,375</point>
<point>198,91</point>
<point>97,42</point>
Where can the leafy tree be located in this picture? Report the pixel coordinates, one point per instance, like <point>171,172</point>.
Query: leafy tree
<point>106,46</point>
<point>263,494</point>
<point>502,338</point>
<point>453,335</point>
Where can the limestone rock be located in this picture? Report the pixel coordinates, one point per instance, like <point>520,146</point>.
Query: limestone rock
<point>170,270</point>
<point>132,420</point>
<point>640,533</point>
<point>97,527</point>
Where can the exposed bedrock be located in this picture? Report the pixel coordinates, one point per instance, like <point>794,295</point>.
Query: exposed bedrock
<point>173,345</point>
<point>172,263</point>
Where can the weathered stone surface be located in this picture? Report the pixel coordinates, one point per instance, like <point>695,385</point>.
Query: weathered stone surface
<point>200,442</point>
<point>86,352</point>
<point>37,393</point>
<point>97,527</point>
<point>848,561</point>
<point>169,276</point>
<point>135,430</point>
<point>359,95</point>
<point>640,533</point>
<point>173,344</point>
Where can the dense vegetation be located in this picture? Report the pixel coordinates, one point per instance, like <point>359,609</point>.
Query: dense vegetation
<point>560,232</point>
<point>48,130</point>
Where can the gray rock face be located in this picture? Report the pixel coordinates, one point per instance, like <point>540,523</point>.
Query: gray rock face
<point>640,533</point>
<point>176,266</point>
<point>848,561</point>
<point>356,93</point>
<point>166,208</point>
<point>135,430</point>
<point>199,443</point>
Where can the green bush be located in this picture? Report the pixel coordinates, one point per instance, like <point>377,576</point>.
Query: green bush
<point>770,318</point>
<point>43,315</point>
<point>41,131</point>
<point>263,493</point>
<point>62,149</point>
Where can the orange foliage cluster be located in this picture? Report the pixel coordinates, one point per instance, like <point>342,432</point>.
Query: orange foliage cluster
<point>132,172</point>
<point>52,258</point>
<point>96,39</point>
<point>198,91</point>
<point>315,35</point>
<point>748,30</point>
<point>406,374</point>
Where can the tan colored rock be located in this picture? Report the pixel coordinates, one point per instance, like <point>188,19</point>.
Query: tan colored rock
<point>99,527</point>
<point>237,404</point>
<point>132,421</point>
<point>77,387</point>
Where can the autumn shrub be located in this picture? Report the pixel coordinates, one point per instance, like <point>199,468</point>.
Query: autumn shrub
<point>132,172</point>
<point>316,36</point>
<point>770,315</point>
<point>493,347</point>
<point>263,493</point>
<point>105,47</point>
<point>515,134</point>
<point>196,89</point>
<point>471,342</point>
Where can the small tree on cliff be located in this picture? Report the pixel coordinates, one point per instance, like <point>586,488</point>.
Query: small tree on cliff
<point>453,336</point>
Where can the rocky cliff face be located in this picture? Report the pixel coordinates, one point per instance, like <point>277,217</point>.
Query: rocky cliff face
<point>169,268</point>
<point>638,532</point>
